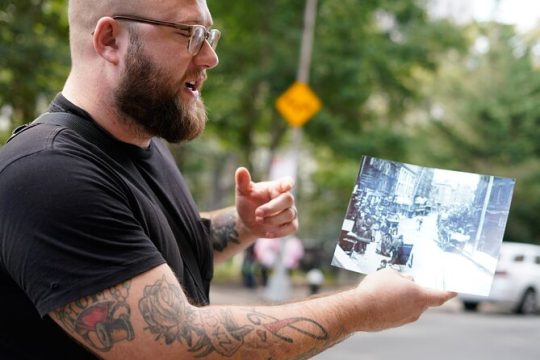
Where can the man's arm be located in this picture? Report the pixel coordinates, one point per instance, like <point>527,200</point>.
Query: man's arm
<point>263,209</point>
<point>226,233</point>
<point>149,317</point>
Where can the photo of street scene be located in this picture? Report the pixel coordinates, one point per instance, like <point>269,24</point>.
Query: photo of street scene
<point>443,227</point>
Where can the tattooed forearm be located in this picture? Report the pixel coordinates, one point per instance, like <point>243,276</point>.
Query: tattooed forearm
<point>224,230</point>
<point>224,331</point>
<point>101,320</point>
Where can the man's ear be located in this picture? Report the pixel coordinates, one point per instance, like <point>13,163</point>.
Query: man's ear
<point>107,40</point>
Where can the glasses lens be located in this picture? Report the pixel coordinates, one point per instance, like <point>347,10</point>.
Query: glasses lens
<point>197,39</point>
<point>213,38</point>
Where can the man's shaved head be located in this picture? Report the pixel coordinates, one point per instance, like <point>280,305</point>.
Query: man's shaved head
<point>84,15</point>
<point>119,72</point>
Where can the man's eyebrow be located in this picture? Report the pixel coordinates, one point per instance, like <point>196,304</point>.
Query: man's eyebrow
<point>198,21</point>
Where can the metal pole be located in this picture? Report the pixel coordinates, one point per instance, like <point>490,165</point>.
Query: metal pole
<point>306,51</point>
<point>279,284</point>
<point>483,214</point>
<point>307,41</point>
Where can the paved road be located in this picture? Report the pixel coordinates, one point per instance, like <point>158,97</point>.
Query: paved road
<point>445,333</point>
<point>430,265</point>
<point>447,336</point>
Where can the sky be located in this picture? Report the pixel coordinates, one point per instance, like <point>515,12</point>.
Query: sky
<point>470,180</point>
<point>523,13</point>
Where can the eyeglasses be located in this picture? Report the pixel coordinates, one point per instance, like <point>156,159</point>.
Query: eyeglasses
<point>197,33</point>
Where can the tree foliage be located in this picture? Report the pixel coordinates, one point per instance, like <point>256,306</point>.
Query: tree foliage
<point>34,54</point>
<point>364,69</point>
<point>258,62</point>
<point>365,58</point>
<point>490,118</point>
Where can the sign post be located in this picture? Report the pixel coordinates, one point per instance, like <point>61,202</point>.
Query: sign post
<point>297,105</point>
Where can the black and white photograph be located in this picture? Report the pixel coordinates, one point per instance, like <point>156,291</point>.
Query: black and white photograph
<point>443,227</point>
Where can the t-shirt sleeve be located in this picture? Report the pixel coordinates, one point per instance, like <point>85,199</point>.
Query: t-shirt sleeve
<point>68,229</point>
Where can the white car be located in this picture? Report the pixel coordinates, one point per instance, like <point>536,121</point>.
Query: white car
<point>516,282</point>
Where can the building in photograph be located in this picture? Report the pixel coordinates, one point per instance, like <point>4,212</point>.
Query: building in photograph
<point>491,203</point>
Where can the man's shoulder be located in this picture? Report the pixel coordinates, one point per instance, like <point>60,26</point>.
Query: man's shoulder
<point>30,140</point>
<point>43,142</point>
<point>52,159</point>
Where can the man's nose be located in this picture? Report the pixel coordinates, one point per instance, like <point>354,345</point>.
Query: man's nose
<point>207,57</point>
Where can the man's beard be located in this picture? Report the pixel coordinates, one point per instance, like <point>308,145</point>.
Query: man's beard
<point>153,105</point>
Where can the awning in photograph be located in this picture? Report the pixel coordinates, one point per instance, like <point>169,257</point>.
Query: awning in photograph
<point>402,200</point>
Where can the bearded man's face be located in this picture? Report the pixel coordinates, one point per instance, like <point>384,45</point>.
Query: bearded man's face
<point>148,96</point>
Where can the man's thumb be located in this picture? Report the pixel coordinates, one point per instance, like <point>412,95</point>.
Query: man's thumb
<point>243,180</point>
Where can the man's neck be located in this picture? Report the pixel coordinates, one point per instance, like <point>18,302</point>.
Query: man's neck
<point>103,111</point>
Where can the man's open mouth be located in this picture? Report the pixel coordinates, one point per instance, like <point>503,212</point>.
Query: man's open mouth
<point>192,85</point>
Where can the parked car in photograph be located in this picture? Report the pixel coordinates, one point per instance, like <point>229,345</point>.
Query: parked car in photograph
<point>516,282</point>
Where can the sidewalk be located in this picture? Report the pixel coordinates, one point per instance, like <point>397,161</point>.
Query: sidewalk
<point>236,294</point>
<point>482,260</point>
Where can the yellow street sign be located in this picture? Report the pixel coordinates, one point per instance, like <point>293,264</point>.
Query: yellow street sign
<point>298,104</point>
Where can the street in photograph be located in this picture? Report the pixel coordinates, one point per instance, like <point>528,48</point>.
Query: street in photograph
<point>443,227</point>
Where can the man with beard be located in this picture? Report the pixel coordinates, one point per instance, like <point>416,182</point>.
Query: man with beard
<point>103,252</point>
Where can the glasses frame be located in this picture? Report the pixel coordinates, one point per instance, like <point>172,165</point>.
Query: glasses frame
<point>211,36</point>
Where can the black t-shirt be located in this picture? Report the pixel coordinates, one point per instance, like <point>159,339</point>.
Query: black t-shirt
<point>77,218</point>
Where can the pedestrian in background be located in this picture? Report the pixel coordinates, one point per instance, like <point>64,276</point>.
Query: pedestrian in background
<point>315,279</point>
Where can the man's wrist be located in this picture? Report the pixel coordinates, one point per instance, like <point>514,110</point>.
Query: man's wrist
<point>224,229</point>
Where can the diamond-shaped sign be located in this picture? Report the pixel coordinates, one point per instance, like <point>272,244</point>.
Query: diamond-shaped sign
<point>298,104</point>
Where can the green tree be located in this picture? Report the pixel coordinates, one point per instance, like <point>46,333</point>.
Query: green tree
<point>34,54</point>
<point>364,51</point>
<point>365,58</point>
<point>364,69</point>
<point>488,118</point>
<point>258,62</point>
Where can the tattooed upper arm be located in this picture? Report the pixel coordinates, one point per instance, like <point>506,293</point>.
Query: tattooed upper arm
<point>100,320</point>
<point>116,322</point>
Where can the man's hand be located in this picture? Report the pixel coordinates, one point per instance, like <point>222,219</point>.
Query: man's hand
<point>265,209</point>
<point>392,299</point>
